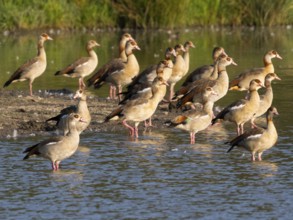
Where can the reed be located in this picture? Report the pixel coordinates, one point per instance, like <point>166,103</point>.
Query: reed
<point>64,14</point>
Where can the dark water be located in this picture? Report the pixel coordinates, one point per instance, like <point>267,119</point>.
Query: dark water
<point>159,176</point>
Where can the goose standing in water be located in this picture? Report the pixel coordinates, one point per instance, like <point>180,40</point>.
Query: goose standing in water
<point>106,67</point>
<point>58,148</point>
<point>242,110</point>
<point>196,119</point>
<point>258,140</point>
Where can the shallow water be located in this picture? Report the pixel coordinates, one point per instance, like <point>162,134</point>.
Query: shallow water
<point>160,175</point>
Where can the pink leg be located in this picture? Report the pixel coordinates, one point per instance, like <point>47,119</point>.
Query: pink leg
<point>31,88</point>
<point>253,156</point>
<point>114,92</point>
<point>136,129</point>
<point>238,130</point>
<point>79,83</point>
<point>192,137</point>
<point>131,129</point>
<point>259,156</point>
<point>148,123</point>
<point>241,128</point>
<point>171,91</point>
<point>119,91</point>
<point>55,166</point>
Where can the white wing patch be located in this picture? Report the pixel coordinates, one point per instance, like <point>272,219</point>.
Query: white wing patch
<point>254,136</point>
<point>52,143</point>
<point>237,107</point>
<point>83,64</point>
<point>144,90</point>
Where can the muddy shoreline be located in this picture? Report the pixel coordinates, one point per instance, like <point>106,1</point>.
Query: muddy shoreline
<point>24,116</point>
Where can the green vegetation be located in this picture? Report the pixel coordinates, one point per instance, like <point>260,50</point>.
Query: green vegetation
<point>91,14</point>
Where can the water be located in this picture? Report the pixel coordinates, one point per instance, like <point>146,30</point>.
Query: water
<point>159,176</point>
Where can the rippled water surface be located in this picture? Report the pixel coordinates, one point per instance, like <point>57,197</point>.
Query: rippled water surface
<point>160,175</point>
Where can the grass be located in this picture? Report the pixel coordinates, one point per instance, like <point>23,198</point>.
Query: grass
<point>144,14</point>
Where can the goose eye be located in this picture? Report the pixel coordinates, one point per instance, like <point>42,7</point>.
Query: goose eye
<point>229,59</point>
<point>76,116</point>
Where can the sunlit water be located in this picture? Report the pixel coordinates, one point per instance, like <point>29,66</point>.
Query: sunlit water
<point>160,175</point>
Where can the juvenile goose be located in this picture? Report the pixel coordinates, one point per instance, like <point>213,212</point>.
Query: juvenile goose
<point>139,88</point>
<point>205,71</point>
<point>242,81</point>
<point>196,120</point>
<point>178,71</point>
<point>59,148</point>
<point>32,68</point>
<point>83,66</point>
<point>186,56</point>
<point>144,79</point>
<point>81,108</point>
<point>120,73</point>
<point>184,89</point>
<point>219,85</point>
<point>266,99</point>
<point>122,44</point>
<point>242,110</point>
<point>258,139</point>
<point>122,55</point>
<point>141,109</point>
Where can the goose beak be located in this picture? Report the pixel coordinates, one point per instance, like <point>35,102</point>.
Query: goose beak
<point>235,64</point>
<point>277,77</point>
<point>82,120</point>
<point>279,57</point>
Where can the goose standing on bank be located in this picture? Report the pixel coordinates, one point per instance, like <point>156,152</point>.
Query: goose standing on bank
<point>120,73</point>
<point>186,55</point>
<point>83,66</point>
<point>258,139</point>
<point>178,71</point>
<point>58,148</point>
<point>243,80</point>
<point>81,108</point>
<point>32,68</point>
<point>101,71</point>
<point>145,79</point>
<point>242,110</point>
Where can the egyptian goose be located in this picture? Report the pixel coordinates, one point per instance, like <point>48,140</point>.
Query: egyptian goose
<point>184,89</point>
<point>266,99</point>
<point>242,110</point>
<point>258,139</point>
<point>58,148</point>
<point>122,55</point>
<point>186,56</point>
<point>141,109</point>
<point>81,108</point>
<point>124,38</point>
<point>242,81</point>
<point>205,71</point>
<point>196,120</point>
<point>144,80</point>
<point>118,72</point>
<point>219,85</point>
<point>178,71</point>
<point>83,66</point>
<point>32,68</point>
